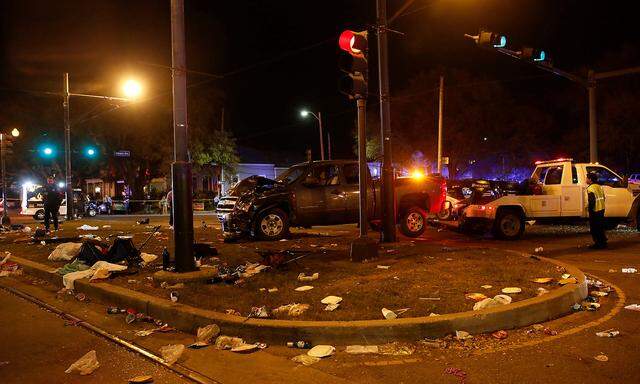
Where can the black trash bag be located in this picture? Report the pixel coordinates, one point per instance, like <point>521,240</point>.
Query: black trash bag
<point>123,249</point>
<point>201,250</point>
<point>92,251</point>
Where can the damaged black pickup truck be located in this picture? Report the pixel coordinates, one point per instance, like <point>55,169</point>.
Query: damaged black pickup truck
<point>322,193</point>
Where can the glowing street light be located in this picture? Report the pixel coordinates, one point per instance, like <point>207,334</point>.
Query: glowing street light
<point>48,151</point>
<point>15,132</point>
<point>132,89</point>
<point>305,113</point>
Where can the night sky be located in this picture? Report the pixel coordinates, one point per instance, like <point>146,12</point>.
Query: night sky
<point>280,56</point>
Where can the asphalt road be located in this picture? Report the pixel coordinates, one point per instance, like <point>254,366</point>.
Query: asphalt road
<point>38,347</point>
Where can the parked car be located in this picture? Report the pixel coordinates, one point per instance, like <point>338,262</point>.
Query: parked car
<point>634,183</point>
<point>322,193</point>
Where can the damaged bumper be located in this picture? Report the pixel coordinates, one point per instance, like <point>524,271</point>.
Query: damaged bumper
<point>234,222</point>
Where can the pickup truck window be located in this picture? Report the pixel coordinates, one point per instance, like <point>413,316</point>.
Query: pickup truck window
<point>605,177</point>
<point>326,174</point>
<point>540,174</point>
<point>291,175</point>
<point>554,175</point>
<point>574,174</point>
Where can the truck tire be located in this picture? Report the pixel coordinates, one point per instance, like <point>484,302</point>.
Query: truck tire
<point>272,224</point>
<point>508,225</point>
<point>413,222</point>
<point>39,215</point>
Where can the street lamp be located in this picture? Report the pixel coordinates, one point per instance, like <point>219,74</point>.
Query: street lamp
<point>5,215</point>
<point>131,88</point>
<point>305,113</point>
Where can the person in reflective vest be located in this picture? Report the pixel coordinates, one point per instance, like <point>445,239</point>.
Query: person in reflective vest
<point>596,206</point>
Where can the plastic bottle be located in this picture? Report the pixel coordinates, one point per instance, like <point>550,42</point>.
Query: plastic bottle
<point>299,344</point>
<point>165,259</point>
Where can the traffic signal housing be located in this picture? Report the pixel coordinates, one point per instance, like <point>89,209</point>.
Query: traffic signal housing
<point>491,39</point>
<point>535,55</point>
<point>353,62</point>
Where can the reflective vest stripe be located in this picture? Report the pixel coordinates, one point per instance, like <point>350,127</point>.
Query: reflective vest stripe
<point>598,192</point>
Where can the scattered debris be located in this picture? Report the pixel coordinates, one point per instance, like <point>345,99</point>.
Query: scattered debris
<point>245,348</point>
<point>633,307</point>
<point>163,329</point>
<point>303,277</point>
<point>511,290</point>
<point>141,379</point>
<point>629,270</point>
<point>389,314</point>
<point>299,344</point>
<point>599,293</point>
<point>463,335</point>
<point>549,331</point>
<point>542,291</point>
<point>397,349</point>
<point>476,296</point>
<point>565,276</point>
<point>205,334</point>
<point>486,286</point>
<point>86,364</point>
<point>166,285</point>
<point>171,353</point>
<point>143,221</point>
<point>360,349</point>
<point>305,359</point>
<point>228,342</point>
<point>496,301</point>
<point>383,266</point>
<point>292,309</point>
<point>85,227</point>
<point>542,280</point>
<point>569,280</point>
<point>174,296</point>
<point>272,290</point>
<point>429,298</point>
<point>232,312</point>
<point>500,335</point>
<point>539,250</point>
<point>321,351</point>
<point>457,372</point>
<point>601,357</point>
<point>608,333</point>
<point>304,288</point>
<point>65,251</point>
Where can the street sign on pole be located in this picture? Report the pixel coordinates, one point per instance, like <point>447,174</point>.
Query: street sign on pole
<point>122,153</point>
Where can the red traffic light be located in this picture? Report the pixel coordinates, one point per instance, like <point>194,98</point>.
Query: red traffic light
<point>353,42</point>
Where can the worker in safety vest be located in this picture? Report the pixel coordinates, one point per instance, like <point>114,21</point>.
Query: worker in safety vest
<point>595,195</point>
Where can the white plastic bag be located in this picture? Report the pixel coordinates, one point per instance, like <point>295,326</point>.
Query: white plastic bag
<point>86,364</point>
<point>65,251</point>
<point>205,334</point>
<point>171,353</point>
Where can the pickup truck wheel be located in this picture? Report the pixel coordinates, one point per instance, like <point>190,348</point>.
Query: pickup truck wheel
<point>413,222</point>
<point>272,225</point>
<point>444,214</point>
<point>509,225</point>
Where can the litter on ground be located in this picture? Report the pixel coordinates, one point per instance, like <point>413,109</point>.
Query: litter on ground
<point>86,364</point>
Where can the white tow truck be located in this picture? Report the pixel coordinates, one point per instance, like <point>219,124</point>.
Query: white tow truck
<point>561,197</point>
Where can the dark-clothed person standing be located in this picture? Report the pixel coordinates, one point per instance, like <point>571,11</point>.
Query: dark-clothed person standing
<point>595,195</point>
<point>52,199</point>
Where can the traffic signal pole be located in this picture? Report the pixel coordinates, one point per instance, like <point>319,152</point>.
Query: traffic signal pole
<point>181,167</point>
<point>440,116</point>
<point>67,147</point>
<point>388,192</point>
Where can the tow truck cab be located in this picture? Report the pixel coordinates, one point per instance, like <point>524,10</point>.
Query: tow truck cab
<point>563,198</point>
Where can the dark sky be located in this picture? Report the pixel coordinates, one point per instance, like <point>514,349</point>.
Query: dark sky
<point>101,41</point>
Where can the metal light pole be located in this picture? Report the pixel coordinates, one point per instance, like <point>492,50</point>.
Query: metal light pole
<point>329,145</point>
<point>440,116</point>
<point>5,220</point>
<point>593,122</point>
<point>388,190</point>
<point>318,116</point>
<point>181,168</point>
<point>67,147</point>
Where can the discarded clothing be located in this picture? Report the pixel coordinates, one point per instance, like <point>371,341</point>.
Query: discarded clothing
<point>74,266</point>
<point>65,251</point>
<point>101,269</point>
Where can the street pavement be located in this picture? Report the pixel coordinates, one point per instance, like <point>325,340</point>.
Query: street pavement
<point>38,347</point>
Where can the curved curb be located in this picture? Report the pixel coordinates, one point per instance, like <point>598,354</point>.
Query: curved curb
<point>187,318</point>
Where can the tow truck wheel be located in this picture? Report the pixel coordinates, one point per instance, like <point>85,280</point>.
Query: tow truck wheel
<point>413,222</point>
<point>273,225</point>
<point>509,225</point>
<point>39,215</point>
